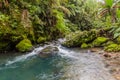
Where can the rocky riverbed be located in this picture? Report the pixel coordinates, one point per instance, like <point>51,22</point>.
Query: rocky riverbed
<point>113,63</point>
<point>112,60</point>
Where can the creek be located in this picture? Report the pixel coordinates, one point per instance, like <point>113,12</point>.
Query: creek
<point>68,64</point>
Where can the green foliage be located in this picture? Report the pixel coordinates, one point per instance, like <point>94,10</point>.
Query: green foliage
<point>41,39</point>
<point>110,8</point>
<point>118,40</point>
<point>118,14</point>
<point>83,13</point>
<point>109,3</point>
<point>56,18</point>
<point>3,17</point>
<point>116,31</point>
<point>110,17</point>
<point>61,22</point>
<point>32,19</point>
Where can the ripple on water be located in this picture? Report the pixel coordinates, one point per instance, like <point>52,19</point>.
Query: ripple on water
<point>89,66</point>
<point>69,64</point>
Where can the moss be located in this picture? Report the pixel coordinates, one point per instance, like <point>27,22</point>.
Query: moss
<point>41,39</point>
<point>112,47</point>
<point>72,39</point>
<point>90,45</point>
<point>78,37</point>
<point>24,45</point>
<point>99,41</point>
<point>84,45</point>
<point>108,43</point>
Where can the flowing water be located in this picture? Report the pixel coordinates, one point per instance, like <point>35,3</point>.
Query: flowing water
<point>68,64</point>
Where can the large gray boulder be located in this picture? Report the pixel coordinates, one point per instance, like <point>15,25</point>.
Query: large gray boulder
<point>48,51</point>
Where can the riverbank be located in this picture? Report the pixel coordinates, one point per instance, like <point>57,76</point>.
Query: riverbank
<point>112,61</point>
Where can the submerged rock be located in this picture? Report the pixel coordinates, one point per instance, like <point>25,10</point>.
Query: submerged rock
<point>48,51</point>
<point>95,49</point>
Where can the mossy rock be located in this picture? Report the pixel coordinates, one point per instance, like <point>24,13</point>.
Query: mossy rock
<point>48,51</point>
<point>108,43</point>
<point>72,39</point>
<point>112,47</point>
<point>24,45</point>
<point>41,39</point>
<point>99,41</point>
<point>84,45</point>
<point>79,37</point>
<point>90,45</point>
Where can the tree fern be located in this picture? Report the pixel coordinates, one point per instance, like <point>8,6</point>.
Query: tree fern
<point>116,31</point>
<point>61,22</point>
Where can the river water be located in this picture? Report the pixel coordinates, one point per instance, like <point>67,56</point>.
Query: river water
<point>67,64</point>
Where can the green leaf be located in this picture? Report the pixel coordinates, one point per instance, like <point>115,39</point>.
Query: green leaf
<point>109,3</point>
<point>116,35</point>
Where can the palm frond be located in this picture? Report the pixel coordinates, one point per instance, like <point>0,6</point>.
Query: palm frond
<point>103,12</point>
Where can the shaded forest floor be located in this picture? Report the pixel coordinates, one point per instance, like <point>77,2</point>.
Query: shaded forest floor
<point>112,61</point>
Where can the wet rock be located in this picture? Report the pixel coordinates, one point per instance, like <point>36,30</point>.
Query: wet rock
<point>95,49</point>
<point>106,55</point>
<point>112,60</point>
<point>48,51</point>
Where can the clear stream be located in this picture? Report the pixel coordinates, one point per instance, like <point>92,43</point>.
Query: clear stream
<point>68,64</point>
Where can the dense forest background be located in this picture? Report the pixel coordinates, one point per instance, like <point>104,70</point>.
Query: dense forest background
<point>27,22</point>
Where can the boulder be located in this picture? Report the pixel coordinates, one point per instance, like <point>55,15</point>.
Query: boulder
<point>48,51</point>
<point>113,47</point>
<point>24,45</point>
<point>99,41</point>
<point>79,37</point>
